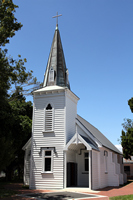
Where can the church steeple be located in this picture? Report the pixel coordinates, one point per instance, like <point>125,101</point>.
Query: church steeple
<point>56,71</point>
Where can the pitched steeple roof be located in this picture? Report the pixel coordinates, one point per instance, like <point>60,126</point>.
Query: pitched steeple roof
<point>56,71</point>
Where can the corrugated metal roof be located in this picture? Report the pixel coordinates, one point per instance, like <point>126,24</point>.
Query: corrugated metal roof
<point>104,141</point>
<point>95,147</point>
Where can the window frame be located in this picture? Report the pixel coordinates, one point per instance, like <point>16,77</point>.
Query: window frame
<point>106,161</point>
<point>44,124</point>
<point>43,160</point>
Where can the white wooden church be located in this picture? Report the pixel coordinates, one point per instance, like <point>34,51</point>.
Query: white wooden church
<point>65,150</point>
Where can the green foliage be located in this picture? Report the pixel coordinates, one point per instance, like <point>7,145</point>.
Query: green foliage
<point>127,143</point>
<point>15,130</point>
<point>128,123</point>
<point>127,138</point>
<point>130,103</point>
<point>15,82</point>
<point>127,134</point>
<point>8,22</point>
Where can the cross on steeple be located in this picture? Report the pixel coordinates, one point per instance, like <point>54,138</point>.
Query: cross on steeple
<point>57,18</point>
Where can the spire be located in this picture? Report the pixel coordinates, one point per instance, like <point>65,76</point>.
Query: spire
<point>56,71</point>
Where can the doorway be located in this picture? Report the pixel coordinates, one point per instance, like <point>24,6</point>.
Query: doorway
<point>71,174</point>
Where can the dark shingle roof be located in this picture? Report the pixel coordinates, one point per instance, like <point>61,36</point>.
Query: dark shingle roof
<point>97,134</point>
<point>57,62</point>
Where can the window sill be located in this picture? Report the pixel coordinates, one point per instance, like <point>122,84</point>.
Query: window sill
<point>48,131</point>
<point>46,172</point>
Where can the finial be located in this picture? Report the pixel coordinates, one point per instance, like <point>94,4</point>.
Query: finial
<point>57,19</point>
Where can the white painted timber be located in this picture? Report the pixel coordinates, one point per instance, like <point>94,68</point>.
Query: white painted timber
<point>71,113</point>
<point>27,165</point>
<point>83,177</point>
<point>95,171</point>
<point>42,139</point>
<point>113,179</point>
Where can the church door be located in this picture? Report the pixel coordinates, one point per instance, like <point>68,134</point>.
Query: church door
<point>71,174</point>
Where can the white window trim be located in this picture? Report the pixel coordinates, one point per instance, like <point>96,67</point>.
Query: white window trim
<point>43,161</point>
<point>44,130</point>
<point>83,167</point>
<point>106,161</point>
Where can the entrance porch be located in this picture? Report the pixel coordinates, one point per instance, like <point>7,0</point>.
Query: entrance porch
<point>78,162</point>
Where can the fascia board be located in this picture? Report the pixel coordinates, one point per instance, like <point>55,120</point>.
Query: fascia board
<point>71,94</point>
<point>94,139</point>
<point>26,145</point>
<point>69,143</point>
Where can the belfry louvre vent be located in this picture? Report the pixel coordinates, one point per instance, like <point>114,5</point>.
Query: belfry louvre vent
<point>49,118</point>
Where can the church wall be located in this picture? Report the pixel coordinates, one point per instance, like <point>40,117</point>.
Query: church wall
<point>108,175</point>
<point>27,165</point>
<point>113,176</point>
<point>42,139</point>
<point>103,175</point>
<point>95,170</point>
<point>83,177</point>
<point>71,113</point>
<point>71,156</point>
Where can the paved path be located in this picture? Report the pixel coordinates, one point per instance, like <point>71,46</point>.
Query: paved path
<point>108,192</point>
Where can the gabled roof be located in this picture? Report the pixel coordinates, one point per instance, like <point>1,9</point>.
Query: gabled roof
<point>27,144</point>
<point>102,139</point>
<point>77,139</point>
<point>57,63</point>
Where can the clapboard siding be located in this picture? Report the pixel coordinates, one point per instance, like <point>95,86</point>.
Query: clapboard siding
<point>27,165</point>
<point>104,176</point>
<point>95,173</point>
<point>71,113</point>
<point>41,139</point>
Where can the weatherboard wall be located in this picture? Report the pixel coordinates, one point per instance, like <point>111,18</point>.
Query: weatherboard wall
<point>71,113</point>
<point>42,139</point>
<point>27,165</point>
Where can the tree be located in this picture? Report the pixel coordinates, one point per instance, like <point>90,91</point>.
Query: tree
<point>15,112</point>
<point>8,22</point>
<point>21,132</point>
<point>130,103</point>
<point>127,138</point>
<point>127,134</point>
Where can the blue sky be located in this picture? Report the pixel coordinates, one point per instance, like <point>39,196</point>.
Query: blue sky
<point>97,38</point>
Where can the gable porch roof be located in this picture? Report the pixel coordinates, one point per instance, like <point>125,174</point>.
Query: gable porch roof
<point>80,139</point>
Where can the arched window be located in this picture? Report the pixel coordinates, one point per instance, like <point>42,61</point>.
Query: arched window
<point>49,118</point>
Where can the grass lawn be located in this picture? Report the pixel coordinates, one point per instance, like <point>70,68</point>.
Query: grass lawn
<point>126,197</point>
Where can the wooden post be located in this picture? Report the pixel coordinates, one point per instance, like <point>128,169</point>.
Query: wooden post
<point>90,169</point>
<point>65,169</point>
